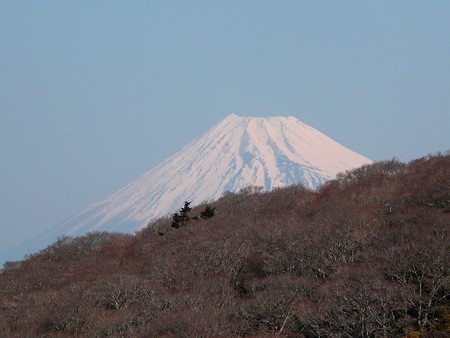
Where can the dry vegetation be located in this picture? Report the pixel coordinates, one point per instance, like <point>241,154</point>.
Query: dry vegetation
<point>365,256</point>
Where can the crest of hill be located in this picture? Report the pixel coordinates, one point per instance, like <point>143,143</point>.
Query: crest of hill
<point>366,255</point>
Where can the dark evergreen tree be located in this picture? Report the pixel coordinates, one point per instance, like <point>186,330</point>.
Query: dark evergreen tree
<point>176,219</point>
<point>208,212</point>
<point>184,210</point>
<point>180,218</point>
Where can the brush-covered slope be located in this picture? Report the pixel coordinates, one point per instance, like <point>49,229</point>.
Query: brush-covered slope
<point>364,256</point>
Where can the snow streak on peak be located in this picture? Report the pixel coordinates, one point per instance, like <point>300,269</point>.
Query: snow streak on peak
<point>237,152</point>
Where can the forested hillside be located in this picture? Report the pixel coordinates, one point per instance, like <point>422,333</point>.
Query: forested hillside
<point>367,255</point>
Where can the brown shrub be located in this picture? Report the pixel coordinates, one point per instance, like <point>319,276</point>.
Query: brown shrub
<point>365,256</point>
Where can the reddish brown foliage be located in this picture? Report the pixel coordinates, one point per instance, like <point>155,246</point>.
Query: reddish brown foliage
<point>365,256</point>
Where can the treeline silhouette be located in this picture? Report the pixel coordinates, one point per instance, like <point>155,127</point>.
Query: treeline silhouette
<point>367,255</point>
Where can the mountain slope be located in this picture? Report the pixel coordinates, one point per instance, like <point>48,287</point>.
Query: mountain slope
<point>364,256</point>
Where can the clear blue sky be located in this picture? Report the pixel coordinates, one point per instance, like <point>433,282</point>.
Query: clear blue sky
<point>95,93</point>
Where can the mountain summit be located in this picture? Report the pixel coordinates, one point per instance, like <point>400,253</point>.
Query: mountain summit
<point>238,152</point>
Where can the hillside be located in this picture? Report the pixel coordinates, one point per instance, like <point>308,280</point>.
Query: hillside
<point>364,256</point>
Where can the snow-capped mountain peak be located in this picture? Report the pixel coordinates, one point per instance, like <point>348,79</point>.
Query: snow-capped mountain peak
<point>237,152</point>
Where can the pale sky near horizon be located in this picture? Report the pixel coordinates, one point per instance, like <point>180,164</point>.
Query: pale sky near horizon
<point>95,93</point>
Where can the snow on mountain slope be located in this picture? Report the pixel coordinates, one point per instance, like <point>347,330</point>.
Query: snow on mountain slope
<point>237,152</point>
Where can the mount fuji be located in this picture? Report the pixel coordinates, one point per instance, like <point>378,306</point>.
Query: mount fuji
<point>236,153</point>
